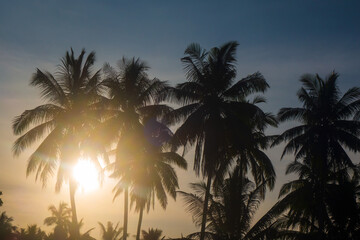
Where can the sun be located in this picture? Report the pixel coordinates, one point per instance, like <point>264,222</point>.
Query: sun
<point>86,175</point>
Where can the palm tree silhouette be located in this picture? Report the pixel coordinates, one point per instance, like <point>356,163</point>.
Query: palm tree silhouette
<point>318,144</point>
<point>215,111</point>
<point>110,232</point>
<point>326,127</point>
<point>131,104</point>
<point>31,232</point>
<point>153,173</point>
<point>60,217</point>
<point>6,227</point>
<point>232,205</point>
<point>332,215</point>
<point>152,234</point>
<point>65,121</point>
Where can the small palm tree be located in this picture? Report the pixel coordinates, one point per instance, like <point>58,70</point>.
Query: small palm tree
<point>152,234</point>
<point>61,219</point>
<point>132,103</point>
<point>232,205</point>
<point>66,121</point>
<point>110,232</point>
<point>217,116</point>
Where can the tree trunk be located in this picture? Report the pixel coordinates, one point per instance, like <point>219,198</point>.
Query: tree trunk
<point>205,209</point>
<point>126,205</point>
<point>139,223</point>
<point>75,231</point>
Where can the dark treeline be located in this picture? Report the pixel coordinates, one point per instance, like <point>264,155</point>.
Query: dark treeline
<point>88,112</point>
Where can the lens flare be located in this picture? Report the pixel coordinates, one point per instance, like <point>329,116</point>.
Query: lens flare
<point>86,175</point>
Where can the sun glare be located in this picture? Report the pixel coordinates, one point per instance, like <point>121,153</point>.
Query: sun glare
<point>86,175</point>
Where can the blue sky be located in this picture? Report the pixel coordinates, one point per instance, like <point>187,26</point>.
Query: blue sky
<point>281,39</point>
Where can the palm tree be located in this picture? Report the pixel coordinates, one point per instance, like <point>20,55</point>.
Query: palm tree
<point>6,227</point>
<point>132,102</point>
<point>110,232</point>
<point>151,234</point>
<point>336,215</point>
<point>326,128</point>
<point>154,175</point>
<point>232,205</point>
<point>60,218</point>
<point>32,232</point>
<point>217,116</point>
<point>65,121</point>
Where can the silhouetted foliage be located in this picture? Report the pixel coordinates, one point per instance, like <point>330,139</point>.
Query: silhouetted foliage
<point>60,217</point>
<point>132,107</point>
<point>326,127</point>
<point>110,232</point>
<point>66,121</point>
<point>217,117</point>
<point>7,230</point>
<point>232,205</point>
<point>324,168</point>
<point>151,234</point>
<point>32,232</point>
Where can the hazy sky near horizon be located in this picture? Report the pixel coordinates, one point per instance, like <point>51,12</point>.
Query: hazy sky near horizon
<point>281,39</point>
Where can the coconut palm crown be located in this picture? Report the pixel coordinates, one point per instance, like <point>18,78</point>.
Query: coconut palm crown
<point>110,232</point>
<point>217,117</point>
<point>327,127</point>
<point>63,123</point>
<point>60,217</point>
<point>133,126</point>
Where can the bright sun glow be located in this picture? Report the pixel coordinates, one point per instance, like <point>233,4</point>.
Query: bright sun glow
<point>86,175</point>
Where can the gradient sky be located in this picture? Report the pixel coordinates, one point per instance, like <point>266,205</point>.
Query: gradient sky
<point>281,39</point>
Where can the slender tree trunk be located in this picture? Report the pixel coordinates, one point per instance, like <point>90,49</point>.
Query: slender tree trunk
<point>75,231</point>
<point>126,205</point>
<point>139,223</point>
<point>205,209</point>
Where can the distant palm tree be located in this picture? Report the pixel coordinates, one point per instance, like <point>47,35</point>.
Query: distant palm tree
<point>61,219</point>
<point>110,232</point>
<point>6,227</point>
<point>215,111</point>
<point>32,232</point>
<point>232,206</point>
<point>65,121</point>
<point>151,234</point>
<point>132,102</point>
